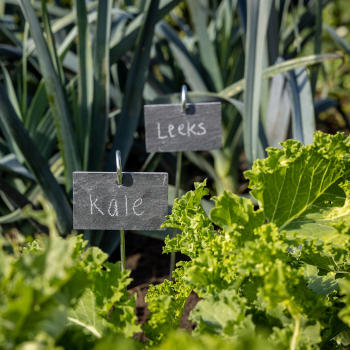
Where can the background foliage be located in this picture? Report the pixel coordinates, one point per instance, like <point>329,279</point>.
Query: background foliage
<point>75,76</point>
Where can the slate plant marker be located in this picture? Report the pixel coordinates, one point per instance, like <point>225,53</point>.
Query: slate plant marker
<point>119,201</point>
<point>197,128</point>
<point>185,127</point>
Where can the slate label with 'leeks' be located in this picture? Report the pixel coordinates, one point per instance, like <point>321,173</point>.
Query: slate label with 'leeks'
<point>168,130</point>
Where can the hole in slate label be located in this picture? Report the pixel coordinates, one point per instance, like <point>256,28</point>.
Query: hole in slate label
<point>127,180</point>
<point>190,109</point>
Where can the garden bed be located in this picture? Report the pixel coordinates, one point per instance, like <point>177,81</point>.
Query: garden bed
<point>149,265</point>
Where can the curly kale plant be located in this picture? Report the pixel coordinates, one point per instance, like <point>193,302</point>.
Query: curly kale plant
<point>56,293</point>
<point>273,273</point>
<point>273,277</point>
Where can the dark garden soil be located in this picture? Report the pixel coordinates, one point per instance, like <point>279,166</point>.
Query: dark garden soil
<point>149,266</point>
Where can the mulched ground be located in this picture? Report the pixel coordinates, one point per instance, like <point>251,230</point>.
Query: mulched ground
<point>149,266</point>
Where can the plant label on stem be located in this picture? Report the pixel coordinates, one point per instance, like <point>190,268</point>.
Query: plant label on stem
<point>99,203</point>
<point>168,130</point>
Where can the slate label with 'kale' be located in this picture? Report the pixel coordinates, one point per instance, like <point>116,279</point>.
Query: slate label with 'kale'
<point>168,130</point>
<point>99,203</point>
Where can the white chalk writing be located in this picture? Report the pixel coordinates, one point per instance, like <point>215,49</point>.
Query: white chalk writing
<point>137,205</point>
<point>159,136</point>
<point>115,208</point>
<point>170,129</point>
<point>93,204</point>
<point>188,130</point>
<point>200,125</point>
<point>126,205</point>
<point>180,128</point>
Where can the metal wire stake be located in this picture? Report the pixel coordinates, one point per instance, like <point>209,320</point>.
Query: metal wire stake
<point>178,179</point>
<point>122,250</point>
<point>177,192</point>
<point>121,232</point>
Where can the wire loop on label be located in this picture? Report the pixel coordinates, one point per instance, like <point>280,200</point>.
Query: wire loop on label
<point>119,167</point>
<point>183,99</point>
